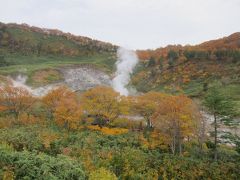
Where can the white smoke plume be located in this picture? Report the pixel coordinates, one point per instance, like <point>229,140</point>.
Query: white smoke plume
<point>20,81</point>
<point>127,60</point>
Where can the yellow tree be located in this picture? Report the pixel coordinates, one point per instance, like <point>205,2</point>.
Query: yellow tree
<point>15,100</point>
<point>176,119</point>
<point>52,99</point>
<point>68,113</point>
<point>64,107</point>
<point>147,104</point>
<point>103,104</point>
<point>102,174</point>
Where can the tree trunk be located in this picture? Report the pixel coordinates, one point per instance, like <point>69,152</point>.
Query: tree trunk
<point>180,147</point>
<point>179,143</point>
<point>149,125</point>
<point>215,137</point>
<point>201,134</point>
<point>172,147</point>
<point>174,144</point>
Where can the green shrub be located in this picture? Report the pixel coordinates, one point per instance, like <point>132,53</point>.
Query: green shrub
<point>29,165</point>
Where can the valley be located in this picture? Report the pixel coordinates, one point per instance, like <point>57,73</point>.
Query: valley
<point>72,107</point>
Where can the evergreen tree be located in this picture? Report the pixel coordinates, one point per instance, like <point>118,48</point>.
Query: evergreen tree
<point>222,108</point>
<point>172,57</point>
<point>161,59</point>
<point>189,54</point>
<point>151,62</point>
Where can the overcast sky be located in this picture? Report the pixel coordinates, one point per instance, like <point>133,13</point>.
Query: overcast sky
<point>137,24</point>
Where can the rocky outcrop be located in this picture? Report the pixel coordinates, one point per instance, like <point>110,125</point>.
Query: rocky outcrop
<point>85,77</point>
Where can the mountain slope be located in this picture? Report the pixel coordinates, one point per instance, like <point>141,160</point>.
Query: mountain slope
<point>191,69</point>
<point>25,49</point>
<point>27,40</point>
<point>230,42</point>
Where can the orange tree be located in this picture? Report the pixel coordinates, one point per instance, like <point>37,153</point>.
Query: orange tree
<point>147,104</point>
<point>176,119</point>
<point>54,96</point>
<point>52,99</point>
<point>68,113</point>
<point>64,107</point>
<point>103,104</point>
<point>15,100</point>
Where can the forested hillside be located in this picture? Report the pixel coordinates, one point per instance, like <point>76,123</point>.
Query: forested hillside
<point>27,40</point>
<point>25,49</point>
<point>192,70</point>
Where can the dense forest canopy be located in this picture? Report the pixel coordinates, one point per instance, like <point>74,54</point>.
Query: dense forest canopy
<point>93,135</point>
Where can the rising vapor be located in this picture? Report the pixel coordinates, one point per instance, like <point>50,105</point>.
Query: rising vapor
<point>127,60</point>
<point>20,81</point>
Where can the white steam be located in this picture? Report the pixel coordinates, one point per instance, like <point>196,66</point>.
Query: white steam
<point>127,60</point>
<point>20,81</point>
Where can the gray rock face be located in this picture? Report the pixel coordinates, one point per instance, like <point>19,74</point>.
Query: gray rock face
<point>85,77</point>
<point>78,78</point>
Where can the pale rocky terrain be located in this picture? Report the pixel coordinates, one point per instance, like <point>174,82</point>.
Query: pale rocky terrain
<point>77,78</point>
<point>85,77</point>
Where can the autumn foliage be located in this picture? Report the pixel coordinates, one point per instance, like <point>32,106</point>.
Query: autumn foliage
<point>103,104</point>
<point>15,100</point>
<point>176,119</point>
<point>64,107</point>
<point>83,136</point>
<point>147,104</point>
